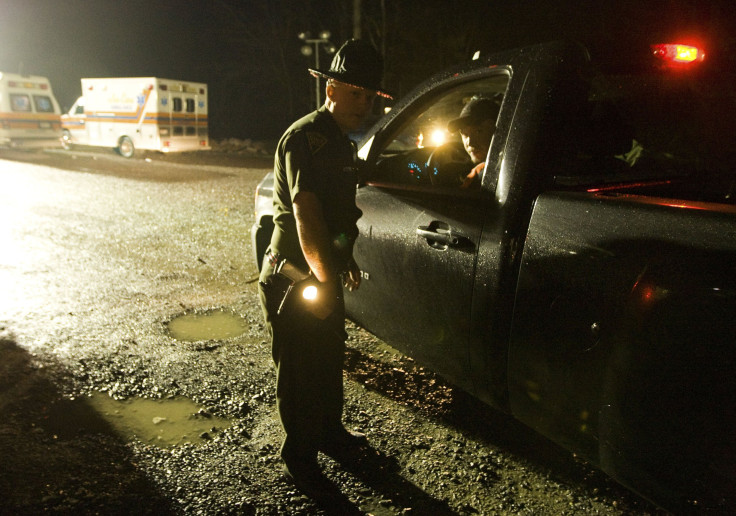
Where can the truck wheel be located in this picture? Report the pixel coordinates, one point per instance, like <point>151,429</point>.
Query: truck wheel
<point>125,147</point>
<point>66,140</point>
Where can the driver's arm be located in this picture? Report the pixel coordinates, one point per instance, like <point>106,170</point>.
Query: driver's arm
<point>473,177</point>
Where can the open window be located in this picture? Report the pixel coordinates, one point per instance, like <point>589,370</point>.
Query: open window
<point>420,151</point>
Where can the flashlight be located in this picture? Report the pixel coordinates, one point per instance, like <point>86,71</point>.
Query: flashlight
<point>310,292</point>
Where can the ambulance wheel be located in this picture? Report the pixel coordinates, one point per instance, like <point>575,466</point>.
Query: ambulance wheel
<point>66,140</point>
<point>125,147</point>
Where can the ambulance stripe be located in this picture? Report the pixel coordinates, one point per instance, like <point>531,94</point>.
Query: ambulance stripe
<point>50,117</point>
<point>149,118</point>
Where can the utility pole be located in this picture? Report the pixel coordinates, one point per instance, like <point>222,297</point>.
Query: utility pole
<point>356,19</point>
<point>307,50</point>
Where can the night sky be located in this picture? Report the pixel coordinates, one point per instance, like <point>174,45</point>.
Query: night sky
<point>248,50</point>
<point>70,39</point>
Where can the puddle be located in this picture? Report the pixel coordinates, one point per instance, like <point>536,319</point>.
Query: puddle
<point>165,423</point>
<point>212,325</point>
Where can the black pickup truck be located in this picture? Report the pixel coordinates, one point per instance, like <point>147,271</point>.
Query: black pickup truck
<point>587,286</point>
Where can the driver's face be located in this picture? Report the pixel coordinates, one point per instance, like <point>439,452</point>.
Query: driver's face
<point>477,139</point>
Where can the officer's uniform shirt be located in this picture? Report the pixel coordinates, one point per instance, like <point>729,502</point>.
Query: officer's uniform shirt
<point>315,156</point>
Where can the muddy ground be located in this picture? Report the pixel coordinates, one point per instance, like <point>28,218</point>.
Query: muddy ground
<point>101,254</point>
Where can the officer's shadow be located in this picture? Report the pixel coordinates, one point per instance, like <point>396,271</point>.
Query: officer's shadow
<point>381,473</point>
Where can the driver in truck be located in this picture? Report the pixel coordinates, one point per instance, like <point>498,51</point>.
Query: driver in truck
<point>476,124</point>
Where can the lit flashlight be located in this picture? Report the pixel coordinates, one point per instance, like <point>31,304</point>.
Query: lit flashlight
<point>310,292</point>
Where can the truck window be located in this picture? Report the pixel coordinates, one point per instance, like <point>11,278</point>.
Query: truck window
<point>43,104</point>
<point>177,104</point>
<point>422,151</point>
<point>632,127</point>
<point>190,106</point>
<point>20,102</point>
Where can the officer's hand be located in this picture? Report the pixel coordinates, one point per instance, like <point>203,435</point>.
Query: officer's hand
<point>351,278</point>
<point>324,304</point>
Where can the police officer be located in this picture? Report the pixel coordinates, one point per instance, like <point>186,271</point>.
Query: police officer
<point>315,216</point>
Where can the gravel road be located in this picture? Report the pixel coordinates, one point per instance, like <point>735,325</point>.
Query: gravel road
<point>103,255</point>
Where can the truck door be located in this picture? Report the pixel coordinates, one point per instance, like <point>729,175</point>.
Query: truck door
<point>420,233</point>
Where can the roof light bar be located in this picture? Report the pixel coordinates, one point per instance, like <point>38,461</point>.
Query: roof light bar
<point>677,54</point>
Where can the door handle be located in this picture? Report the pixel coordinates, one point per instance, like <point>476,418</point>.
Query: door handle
<point>446,238</point>
<point>439,235</point>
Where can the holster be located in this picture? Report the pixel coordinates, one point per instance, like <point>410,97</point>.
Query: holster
<point>284,281</point>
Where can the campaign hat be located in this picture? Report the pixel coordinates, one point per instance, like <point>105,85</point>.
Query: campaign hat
<point>356,63</point>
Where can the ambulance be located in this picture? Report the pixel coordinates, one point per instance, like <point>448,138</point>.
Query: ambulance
<point>144,113</point>
<point>29,112</point>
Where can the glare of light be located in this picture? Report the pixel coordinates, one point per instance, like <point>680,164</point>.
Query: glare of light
<point>366,148</point>
<point>677,53</point>
<point>502,185</point>
<point>685,53</point>
<point>439,136</point>
<point>310,292</point>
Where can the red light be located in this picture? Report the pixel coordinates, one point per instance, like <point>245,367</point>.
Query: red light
<point>620,186</point>
<point>678,54</point>
<point>647,293</point>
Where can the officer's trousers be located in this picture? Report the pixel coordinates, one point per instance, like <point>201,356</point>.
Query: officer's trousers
<point>309,355</point>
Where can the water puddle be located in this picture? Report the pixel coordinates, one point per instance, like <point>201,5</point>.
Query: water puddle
<point>164,423</point>
<point>212,325</point>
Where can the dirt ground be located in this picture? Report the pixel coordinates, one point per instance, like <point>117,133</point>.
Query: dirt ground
<point>103,254</point>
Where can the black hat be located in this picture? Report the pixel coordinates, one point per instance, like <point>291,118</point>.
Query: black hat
<point>356,63</point>
<point>474,112</point>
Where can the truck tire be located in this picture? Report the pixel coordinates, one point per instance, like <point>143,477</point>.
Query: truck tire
<point>66,140</point>
<point>125,147</point>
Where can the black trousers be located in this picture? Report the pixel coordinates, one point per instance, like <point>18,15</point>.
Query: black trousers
<point>309,354</point>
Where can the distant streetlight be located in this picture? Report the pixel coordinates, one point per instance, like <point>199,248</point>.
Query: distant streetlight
<point>307,50</point>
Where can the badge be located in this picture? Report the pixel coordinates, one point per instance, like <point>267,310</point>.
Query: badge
<point>316,142</point>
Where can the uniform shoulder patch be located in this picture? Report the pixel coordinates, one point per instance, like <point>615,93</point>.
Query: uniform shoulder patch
<point>316,141</point>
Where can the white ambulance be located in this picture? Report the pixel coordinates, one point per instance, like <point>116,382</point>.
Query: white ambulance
<point>130,113</point>
<point>29,113</point>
